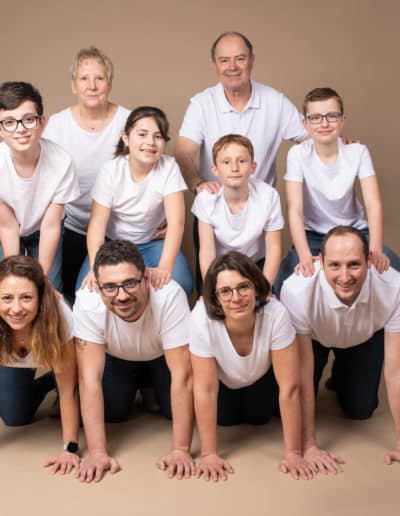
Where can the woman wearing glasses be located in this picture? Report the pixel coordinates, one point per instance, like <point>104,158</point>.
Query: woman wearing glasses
<point>36,331</point>
<point>37,179</point>
<point>241,340</point>
<point>89,132</point>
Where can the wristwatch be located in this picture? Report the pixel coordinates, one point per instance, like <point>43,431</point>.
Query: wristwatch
<point>71,447</point>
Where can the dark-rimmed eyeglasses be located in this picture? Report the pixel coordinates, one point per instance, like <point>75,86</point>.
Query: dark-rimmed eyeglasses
<point>226,293</point>
<point>28,122</point>
<point>129,286</point>
<point>317,118</point>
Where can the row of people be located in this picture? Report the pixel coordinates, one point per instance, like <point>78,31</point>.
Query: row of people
<point>89,131</point>
<point>241,356</point>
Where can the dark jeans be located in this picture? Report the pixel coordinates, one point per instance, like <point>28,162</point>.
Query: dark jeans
<point>356,373</point>
<point>73,255</point>
<point>21,394</point>
<point>254,404</point>
<point>121,380</point>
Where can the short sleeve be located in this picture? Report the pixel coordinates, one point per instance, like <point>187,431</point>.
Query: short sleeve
<point>174,182</point>
<point>200,207</point>
<point>275,221</point>
<point>68,187</point>
<point>294,171</point>
<point>174,324</point>
<point>89,321</point>
<point>291,122</point>
<point>199,336</point>
<point>366,168</point>
<point>103,189</point>
<point>192,125</point>
<point>295,305</point>
<point>283,333</point>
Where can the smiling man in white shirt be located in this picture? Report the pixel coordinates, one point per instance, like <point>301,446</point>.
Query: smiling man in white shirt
<point>123,332</point>
<point>351,309</point>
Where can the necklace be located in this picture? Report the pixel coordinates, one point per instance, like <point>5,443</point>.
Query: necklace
<point>94,125</point>
<point>21,348</point>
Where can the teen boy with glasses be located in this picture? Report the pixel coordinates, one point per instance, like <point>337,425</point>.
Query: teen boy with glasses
<point>38,178</point>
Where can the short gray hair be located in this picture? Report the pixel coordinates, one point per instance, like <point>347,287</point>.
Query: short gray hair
<point>92,53</point>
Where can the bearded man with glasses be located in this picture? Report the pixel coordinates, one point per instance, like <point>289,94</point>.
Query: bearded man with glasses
<point>123,331</point>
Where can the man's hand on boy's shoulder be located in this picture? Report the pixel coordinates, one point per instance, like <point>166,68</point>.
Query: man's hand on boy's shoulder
<point>347,141</point>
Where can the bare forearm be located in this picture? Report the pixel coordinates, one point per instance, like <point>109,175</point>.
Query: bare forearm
<point>393,392</point>
<point>172,245</point>
<point>298,235</point>
<point>272,262</point>
<point>289,402</point>
<point>189,170</point>
<point>375,223</point>
<point>48,242</point>
<point>307,413</point>
<point>9,240</point>
<point>206,417</point>
<point>182,414</point>
<point>69,408</point>
<point>92,408</point>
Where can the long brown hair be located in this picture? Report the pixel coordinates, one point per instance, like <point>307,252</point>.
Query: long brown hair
<point>49,336</point>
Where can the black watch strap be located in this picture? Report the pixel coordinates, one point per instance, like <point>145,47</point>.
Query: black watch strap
<point>71,447</point>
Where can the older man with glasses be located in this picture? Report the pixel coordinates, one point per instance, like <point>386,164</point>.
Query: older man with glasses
<point>125,332</point>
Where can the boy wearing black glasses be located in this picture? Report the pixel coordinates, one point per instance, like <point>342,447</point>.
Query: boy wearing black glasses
<point>320,179</point>
<point>38,178</point>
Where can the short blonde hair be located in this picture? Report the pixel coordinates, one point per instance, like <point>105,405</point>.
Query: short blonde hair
<point>92,53</point>
<point>227,140</point>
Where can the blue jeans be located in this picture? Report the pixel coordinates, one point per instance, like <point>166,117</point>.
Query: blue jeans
<point>254,404</point>
<point>21,394</point>
<point>121,380</point>
<point>151,252</point>
<point>314,241</point>
<point>30,245</point>
<point>356,373</point>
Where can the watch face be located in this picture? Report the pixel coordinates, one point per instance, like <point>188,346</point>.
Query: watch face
<point>71,447</point>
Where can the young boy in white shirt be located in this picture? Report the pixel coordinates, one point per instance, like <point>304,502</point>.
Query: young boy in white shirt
<point>320,188</point>
<point>245,215</point>
<point>38,178</point>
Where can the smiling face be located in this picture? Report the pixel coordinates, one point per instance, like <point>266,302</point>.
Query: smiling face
<point>233,63</point>
<point>19,302</point>
<point>345,266</point>
<point>91,84</point>
<point>241,306</point>
<point>234,166</point>
<point>128,307</point>
<point>324,133</point>
<point>145,142</point>
<point>22,140</point>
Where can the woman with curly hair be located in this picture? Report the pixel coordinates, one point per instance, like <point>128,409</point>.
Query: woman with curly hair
<point>36,331</point>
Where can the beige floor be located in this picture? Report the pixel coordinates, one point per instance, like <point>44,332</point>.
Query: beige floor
<point>366,487</point>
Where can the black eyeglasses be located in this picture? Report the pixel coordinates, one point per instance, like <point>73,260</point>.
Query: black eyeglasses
<point>28,122</point>
<point>329,117</point>
<point>129,286</point>
<point>243,290</point>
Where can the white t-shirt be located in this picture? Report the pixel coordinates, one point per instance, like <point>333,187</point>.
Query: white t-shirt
<point>244,231</point>
<point>28,361</point>
<point>163,325</point>
<point>268,119</point>
<point>54,180</point>
<point>137,208</point>
<point>89,151</point>
<point>315,310</point>
<point>329,197</point>
<point>210,339</point>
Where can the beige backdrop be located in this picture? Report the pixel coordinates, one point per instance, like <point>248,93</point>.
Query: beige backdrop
<point>161,55</point>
